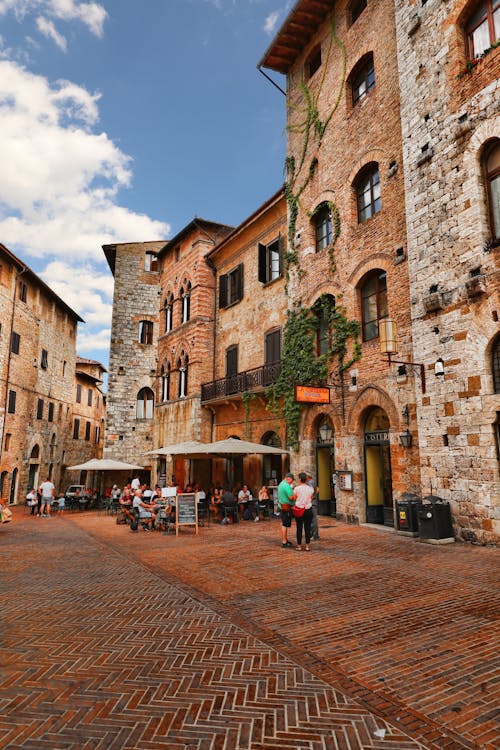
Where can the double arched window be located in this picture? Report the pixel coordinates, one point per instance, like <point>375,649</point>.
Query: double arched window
<point>169,312</point>
<point>367,187</point>
<point>145,404</point>
<point>165,382</point>
<point>182,367</point>
<point>186,301</point>
<point>374,306</point>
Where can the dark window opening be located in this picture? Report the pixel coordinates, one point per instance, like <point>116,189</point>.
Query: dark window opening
<point>15,342</point>
<point>39,409</point>
<point>313,62</point>
<point>76,429</point>
<point>231,287</point>
<point>50,415</point>
<point>78,393</point>
<point>270,261</point>
<point>44,361</point>
<point>23,291</point>
<point>150,262</point>
<point>356,9</point>
<point>145,332</point>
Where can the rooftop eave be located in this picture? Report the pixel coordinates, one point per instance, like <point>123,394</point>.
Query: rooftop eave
<point>295,34</point>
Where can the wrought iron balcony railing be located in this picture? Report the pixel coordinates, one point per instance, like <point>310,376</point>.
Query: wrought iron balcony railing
<point>250,380</point>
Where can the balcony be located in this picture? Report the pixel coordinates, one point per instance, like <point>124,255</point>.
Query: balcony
<point>250,380</point>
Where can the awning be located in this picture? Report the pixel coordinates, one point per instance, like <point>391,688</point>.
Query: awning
<point>230,446</point>
<point>104,464</point>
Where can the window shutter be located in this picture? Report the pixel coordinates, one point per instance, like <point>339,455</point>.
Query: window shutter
<point>240,282</point>
<point>280,246</point>
<point>223,291</point>
<point>262,263</point>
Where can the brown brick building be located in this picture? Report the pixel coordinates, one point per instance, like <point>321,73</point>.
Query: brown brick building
<point>38,363</point>
<point>249,318</point>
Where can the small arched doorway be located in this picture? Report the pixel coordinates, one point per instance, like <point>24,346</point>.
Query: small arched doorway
<point>13,487</point>
<point>34,467</point>
<point>325,462</point>
<point>378,477</point>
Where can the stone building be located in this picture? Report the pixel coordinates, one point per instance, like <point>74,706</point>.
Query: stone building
<point>393,212</point>
<point>133,357</point>
<point>450,117</point>
<point>37,371</point>
<point>88,419</point>
<point>250,313</point>
<point>186,343</point>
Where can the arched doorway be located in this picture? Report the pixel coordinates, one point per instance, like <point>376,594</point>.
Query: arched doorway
<point>3,480</point>
<point>34,467</point>
<point>13,487</point>
<point>378,477</point>
<point>325,462</point>
<point>272,471</point>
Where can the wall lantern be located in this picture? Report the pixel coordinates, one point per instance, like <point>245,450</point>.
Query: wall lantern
<point>439,368</point>
<point>406,439</point>
<point>325,433</point>
<point>388,345</point>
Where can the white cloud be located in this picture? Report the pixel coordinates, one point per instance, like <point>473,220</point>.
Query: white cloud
<point>48,30</point>
<point>271,22</point>
<point>59,192</point>
<point>91,342</point>
<point>93,15</point>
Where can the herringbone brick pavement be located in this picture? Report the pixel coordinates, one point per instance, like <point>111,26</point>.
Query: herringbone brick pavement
<point>100,651</point>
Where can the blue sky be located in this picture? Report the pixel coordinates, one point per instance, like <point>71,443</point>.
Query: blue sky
<point>120,121</point>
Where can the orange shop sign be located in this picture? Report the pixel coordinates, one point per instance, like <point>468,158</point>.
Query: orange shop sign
<point>311,394</point>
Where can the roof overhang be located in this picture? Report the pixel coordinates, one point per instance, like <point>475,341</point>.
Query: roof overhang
<point>295,34</point>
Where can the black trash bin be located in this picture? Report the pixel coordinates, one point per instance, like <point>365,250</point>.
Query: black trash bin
<point>434,520</point>
<point>407,514</point>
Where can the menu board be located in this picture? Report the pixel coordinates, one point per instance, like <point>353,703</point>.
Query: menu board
<point>187,511</point>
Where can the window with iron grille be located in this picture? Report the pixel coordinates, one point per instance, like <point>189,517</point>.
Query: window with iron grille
<point>39,409</point>
<point>50,414</point>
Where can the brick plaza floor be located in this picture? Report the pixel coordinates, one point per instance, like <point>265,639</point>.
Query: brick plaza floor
<point>111,639</point>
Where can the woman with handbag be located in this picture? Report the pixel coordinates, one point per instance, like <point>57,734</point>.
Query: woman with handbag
<point>302,510</point>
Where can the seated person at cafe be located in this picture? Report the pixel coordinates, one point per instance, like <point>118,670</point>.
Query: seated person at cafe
<point>215,503</point>
<point>146,510</point>
<point>230,505</point>
<point>244,499</point>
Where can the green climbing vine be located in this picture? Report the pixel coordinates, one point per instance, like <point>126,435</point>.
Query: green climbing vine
<point>247,399</point>
<point>312,127</point>
<point>301,365</point>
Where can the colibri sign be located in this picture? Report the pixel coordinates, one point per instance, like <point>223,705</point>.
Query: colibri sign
<point>312,394</point>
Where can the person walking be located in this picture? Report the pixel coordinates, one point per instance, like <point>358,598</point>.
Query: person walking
<point>314,524</point>
<point>48,492</point>
<point>32,501</point>
<point>285,502</point>
<point>302,510</point>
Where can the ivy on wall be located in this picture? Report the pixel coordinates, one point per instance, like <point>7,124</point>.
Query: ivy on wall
<point>301,365</point>
<point>313,129</point>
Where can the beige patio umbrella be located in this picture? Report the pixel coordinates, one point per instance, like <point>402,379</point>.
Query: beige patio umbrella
<point>103,464</point>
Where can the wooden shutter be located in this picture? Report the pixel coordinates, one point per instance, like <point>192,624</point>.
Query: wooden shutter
<point>239,281</point>
<point>231,361</point>
<point>223,291</point>
<point>281,246</point>
<point>262,263</point>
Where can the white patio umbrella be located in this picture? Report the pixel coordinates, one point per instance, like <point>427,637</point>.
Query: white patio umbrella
<point>233,446</point>
<point>103,464</point>
<point>177,449</point>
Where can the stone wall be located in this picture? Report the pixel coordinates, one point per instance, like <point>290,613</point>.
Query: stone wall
<point>446,120</point>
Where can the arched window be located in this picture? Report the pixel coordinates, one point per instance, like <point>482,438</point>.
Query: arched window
<point>483,27</point>
<point>323,231</point>
<point>145,404</point>
<point>35,452</point>
<point>165,383</point>
<point>362,79</point>
<point>322,309</point>
<point>373,303</point>
<point>182,366</point>
<point>367,187</point>
<point>169,313</point>
<point>495,365</point>
<point>145,332</point>
<point>186,302</point>
<point>491,165</point>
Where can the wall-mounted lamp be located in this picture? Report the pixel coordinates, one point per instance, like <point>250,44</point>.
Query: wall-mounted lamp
<point>325,433</point>
<point>439,368</point>
<point>388,345</point>
<point>406,439</point>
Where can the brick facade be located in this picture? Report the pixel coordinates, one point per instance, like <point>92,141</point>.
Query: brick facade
<point>37,369</point>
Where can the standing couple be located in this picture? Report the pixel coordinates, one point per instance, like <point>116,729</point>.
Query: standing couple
<point>296,502</point>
